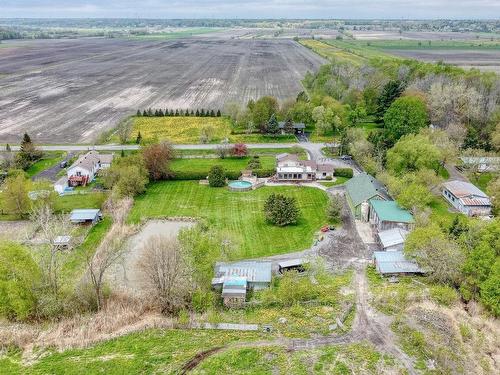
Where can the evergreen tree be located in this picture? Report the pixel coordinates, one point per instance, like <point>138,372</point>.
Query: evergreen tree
<point>281,210</point>
<point>186,113</point>
<point>197,113</point>
<point>7,148</point>
<point>217,176</point>
<point>160,113</point>
<point>218,113</point>
<point>391,91</point>
<point>150,112</point>
<point>157,113</point>
<point>272,125</point>
<point>212,113</point>
<point>138,114</point>
<point>144,113</point>
<point>176,112</point>
<point>192,113</point>
<point>171,112</point>
<point>139,138</point>
<point>202,113</point>
<point>122,154</point>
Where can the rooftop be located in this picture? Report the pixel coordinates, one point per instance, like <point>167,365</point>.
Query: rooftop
<point>252,271</point>
<point>391,211</point>
<point>87,161</point>
<point>296,125</point>
<point>389,262</point>
<point>85,214</point>
<point>392,237</point>
<point>469,194</point>
<point>363,187</point>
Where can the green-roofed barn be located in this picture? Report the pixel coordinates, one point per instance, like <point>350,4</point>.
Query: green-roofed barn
<point>360,190</point>
<point>386,215</point>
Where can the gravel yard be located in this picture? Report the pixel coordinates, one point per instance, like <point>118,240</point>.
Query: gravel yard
<point>67,91</point>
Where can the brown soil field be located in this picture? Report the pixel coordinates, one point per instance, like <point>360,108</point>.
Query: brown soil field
<point>484,60</point>
<point>67,91</point>
<point>417,35</point>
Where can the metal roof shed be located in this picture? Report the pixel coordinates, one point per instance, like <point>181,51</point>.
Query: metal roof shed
<point>85,216</point>
<point>394,263</point>
<point>392,239</point>
<point>391,211</point>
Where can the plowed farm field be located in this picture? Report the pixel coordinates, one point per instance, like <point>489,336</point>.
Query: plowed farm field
<point>68,91</point>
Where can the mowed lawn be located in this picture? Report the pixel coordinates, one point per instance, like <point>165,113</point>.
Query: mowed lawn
<point>203,165</point>
<point>238,214</point>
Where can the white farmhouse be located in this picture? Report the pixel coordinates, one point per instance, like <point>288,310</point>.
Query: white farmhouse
<point>86,167</point>
<point>467,198</point>
<point>290,168</point>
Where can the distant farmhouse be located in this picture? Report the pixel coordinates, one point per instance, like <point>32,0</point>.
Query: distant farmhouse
<point>290,126</point>
<point>235,279</point>
<point>86,167</point>
<point>290,168</point>
<point>360,190</point>
<point>467,198</point>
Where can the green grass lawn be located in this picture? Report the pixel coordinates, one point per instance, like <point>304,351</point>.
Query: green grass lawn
<point>48,160</point>
<point>67,203</point>
<point>239,214</point>
<point>251,152</point>
<point>338,181</point>
<point>441,211</point>
<point>229,164</point>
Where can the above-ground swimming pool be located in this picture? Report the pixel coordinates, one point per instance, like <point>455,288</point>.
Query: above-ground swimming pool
<point>240,185</point>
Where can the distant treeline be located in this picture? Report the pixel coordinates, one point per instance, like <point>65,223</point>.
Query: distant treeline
<point>178,112</point>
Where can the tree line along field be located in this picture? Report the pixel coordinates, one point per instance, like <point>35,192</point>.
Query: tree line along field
<point>67,91</point>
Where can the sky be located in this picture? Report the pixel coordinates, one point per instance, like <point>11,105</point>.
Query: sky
<point>369,9</point>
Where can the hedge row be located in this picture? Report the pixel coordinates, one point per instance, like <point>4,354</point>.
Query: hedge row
<point>231,175</point>
<point>343,172</point>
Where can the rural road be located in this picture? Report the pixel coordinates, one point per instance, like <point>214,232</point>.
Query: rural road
<point>117,147</point>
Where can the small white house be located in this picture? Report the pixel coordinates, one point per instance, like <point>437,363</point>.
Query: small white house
<point>467,198</point>
<point>86,167</point>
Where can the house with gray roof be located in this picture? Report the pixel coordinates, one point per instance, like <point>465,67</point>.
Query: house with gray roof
<point>86,167</point>
<point>394,263</point>
<point>467,198</point>
<point>290,168</point>
<point>360,190</point>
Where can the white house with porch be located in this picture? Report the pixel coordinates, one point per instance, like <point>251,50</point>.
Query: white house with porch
<point>86,167</point>
<point>290,168</point>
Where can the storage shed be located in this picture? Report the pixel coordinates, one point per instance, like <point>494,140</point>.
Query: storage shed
<point>386,215</point>
<point>86,216</point>
<point>392,239</point>
<point>393,263</point>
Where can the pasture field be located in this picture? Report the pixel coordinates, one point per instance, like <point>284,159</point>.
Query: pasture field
<point>70,91</point>
<point>239,215</point>
<point>188,130</point>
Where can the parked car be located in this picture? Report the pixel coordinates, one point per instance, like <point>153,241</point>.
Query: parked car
<point>346,157</point>
<point>63,164</point>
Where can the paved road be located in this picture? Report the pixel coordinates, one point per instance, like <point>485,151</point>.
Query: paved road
<point>116,147</point>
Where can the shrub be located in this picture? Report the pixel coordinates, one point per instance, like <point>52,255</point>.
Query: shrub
<point>217,176</point>
<point>239,150</point>
<point>157,158</point>
<point>444,295</point>
<point>334,209</point>
<point>281,210</point>
<point>343,172</point>
<point>19,275</point>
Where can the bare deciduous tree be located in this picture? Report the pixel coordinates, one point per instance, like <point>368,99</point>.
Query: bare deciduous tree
<point>167,273</point>
<point>124,129</point>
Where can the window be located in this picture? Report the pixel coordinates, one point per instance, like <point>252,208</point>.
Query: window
<point>78,173</point>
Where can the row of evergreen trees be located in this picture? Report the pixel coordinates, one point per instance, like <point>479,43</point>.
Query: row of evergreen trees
<point>170,113</point>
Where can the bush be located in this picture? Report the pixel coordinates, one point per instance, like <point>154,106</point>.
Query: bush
<point>444,295</point>
<point>217,176</point>
<point>281,210</point>
<point>239,150</point>
<point>19,275</point>
<point>343,172</point>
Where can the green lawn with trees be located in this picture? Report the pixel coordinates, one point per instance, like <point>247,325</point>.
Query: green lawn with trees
<point>239,215</point>
<point>48,160</point>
